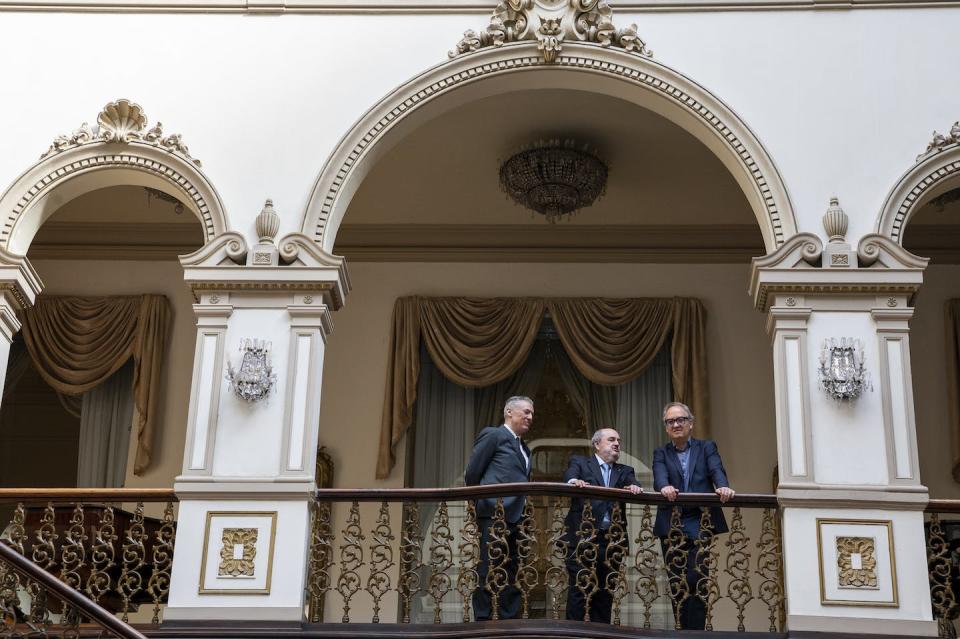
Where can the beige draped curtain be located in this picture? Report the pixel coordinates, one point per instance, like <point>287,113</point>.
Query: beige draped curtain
<point>77,343</point>
<point>479,342</point>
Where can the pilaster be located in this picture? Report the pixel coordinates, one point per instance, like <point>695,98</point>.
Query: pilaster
<point>849,475</point>
<point>248,470</point>
<point>19,287</point>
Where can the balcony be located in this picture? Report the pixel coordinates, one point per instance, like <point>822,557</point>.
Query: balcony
<point>404,562</point>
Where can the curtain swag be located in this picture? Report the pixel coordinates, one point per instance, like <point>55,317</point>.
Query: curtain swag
<point>478,342</point>
<point>76,343</point>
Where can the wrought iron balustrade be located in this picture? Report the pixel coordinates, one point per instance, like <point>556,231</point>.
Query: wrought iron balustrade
<point>117,558</point>
<point>943,562</point>
<point>415,553</point>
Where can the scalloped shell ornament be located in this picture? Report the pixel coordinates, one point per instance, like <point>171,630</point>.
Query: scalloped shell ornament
<point>121,121</point>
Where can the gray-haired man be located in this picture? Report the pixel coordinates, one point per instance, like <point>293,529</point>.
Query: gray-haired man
<point>500,457</point>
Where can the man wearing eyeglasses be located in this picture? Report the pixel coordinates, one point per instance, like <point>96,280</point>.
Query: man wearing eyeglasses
<point>687,465</point>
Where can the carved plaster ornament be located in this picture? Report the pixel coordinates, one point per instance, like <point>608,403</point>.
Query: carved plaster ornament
<point>940,142</point>
<point>837,253</point>
<point>857,563</point>
<point>255,379</point>
<point>550,23</point>
<point>843,375</point>
<point>238,552</point>
<point>122,122</point>
<point>266,253</point>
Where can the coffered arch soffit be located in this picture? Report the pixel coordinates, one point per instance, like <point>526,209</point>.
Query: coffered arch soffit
<point>120,151</point>
<point>521,66</point>
<point>935,172</point>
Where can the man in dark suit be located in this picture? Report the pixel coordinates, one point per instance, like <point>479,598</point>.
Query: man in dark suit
<point>500,457</point>
<point>691,466</point>
<point>599,469</point>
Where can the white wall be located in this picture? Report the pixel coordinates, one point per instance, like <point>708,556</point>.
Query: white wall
<point>843,100</point>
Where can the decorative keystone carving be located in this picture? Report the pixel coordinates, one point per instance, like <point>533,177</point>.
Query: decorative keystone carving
<point>940,142</point>
<point>550,23</point>
<point>122,122</point>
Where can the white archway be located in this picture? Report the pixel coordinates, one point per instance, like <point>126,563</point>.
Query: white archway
<point>929,177</point>
<point>122,152</point>
<point>581,66</point>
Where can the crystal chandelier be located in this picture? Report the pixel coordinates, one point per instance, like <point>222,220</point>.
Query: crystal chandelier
<point>554,178</point>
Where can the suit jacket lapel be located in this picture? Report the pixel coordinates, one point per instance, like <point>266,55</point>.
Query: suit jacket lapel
<point>527,466</point>
<point>677,468</point>
<point>695,454</point>
<point>614,475</point>
<point>517,444</point>
<point>597,472</point>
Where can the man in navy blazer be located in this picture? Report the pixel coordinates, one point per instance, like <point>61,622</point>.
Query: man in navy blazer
<point>500,457</point>
<point>691,466</point>
<point>599,469</point>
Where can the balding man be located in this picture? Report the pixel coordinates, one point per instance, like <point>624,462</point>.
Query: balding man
<point>600,469</point>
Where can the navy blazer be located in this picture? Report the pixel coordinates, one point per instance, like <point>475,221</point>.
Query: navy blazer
<point>705,469</point>
<point>496,459</point>
<point>587,468</point>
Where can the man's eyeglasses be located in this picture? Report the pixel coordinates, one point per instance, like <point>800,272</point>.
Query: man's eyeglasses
<point>677,421</point>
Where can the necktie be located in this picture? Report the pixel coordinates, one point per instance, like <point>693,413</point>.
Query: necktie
<point>605,520</point>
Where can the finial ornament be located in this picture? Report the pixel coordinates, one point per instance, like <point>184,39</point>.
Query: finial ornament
<point>551,24</point>
<point>268,223</point>
<point>122,122</point>
<point>835,222</point>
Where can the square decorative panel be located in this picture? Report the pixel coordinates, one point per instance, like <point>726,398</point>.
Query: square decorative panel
<point>857,563</point>
<point>238,553</point>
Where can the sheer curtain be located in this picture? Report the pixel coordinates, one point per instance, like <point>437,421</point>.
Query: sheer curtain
<point>638,420</point>
<point>443,430</point>
<point>106,418</point>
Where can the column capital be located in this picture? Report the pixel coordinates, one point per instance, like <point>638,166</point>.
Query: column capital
<point>304,268</point>
<point>883,268</point>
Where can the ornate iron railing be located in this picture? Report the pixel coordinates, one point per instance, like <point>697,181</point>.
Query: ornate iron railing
<point>18,573</point>
<point>118,559</point>
<point>424,545</point>
<point>943,562</point>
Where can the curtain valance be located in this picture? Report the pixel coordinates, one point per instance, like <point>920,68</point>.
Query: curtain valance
<point>76,343</point>
<point>478,342</point>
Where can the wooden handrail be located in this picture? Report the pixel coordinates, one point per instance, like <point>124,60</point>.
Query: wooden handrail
<point>949,506</point>
<point>554,489</point>
<point>65,593</point>
<point>72,495</point>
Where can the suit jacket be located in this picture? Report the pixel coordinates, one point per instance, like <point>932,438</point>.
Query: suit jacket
<point>706,473</point>
<point>496,459</point>
<point>588,469</point>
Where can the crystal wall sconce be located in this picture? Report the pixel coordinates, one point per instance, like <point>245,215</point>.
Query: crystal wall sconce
<point>843,375</point>
<point>255,379</point>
